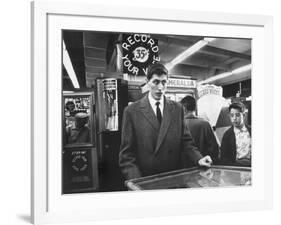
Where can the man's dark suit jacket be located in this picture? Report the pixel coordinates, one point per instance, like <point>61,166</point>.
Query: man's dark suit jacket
<point>228,149</point>
<point>148,148</point>
<point>203,136</point>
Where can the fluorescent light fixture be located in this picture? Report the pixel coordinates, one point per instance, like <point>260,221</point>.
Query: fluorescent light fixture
<point>209,39</point>
<point>226,74</point>
<point>188,52</point>
<point>68,92</point>
<point>118,57</point>
<point>242,69</point>
<point>69,68</point>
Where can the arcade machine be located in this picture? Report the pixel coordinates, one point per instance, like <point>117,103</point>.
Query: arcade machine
<point>79,155</point>
<point>111,99</point>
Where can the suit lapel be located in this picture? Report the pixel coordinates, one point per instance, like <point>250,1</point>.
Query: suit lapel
<point>233,143</point>
<point>148,113</point>
<point>166,121</point>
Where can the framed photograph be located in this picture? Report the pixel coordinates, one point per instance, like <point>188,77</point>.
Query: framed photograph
<point>90,73</point>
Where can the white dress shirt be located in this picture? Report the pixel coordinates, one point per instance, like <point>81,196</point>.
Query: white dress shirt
<point>152,102</point>
<point>243,142</point>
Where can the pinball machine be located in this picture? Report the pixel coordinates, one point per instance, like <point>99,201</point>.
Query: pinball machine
<point>216,176</point>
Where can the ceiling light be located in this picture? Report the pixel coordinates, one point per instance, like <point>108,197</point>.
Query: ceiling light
<point>68,92</point>
<point>226,74</point>
<point>188,52</point>
<point>209,39</point>
<point>242,69</point>
<point>69,68</point>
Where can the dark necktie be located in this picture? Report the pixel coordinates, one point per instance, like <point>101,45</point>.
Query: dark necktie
<point>158,112</point>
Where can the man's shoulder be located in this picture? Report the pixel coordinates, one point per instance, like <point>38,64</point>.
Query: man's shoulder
<point>199,122</point>
<point>202,122</point>
<point>132,106</point>
<point>135,105</point>
<point>173,103</point>
<point>229,131</point>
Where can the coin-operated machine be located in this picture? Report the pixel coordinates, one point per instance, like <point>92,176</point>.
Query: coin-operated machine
<point>80,166</point>
<point>111,99</point>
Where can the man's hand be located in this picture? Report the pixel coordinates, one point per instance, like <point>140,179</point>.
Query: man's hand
<point>205,161</point>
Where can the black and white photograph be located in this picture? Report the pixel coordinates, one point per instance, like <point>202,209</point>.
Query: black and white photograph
<point>148,111</point>
<point>141,112</point>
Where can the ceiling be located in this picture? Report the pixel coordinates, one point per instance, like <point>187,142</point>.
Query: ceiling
<point>93,54</point>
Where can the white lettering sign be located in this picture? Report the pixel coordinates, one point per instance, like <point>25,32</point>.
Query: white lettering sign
<point>209,90</point>
<point>181,83</point>
<point>139,51</point>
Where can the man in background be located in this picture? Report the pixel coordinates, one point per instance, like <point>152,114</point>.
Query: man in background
<point>236,141</point>
<point>81,132</point>
<point>200,129</point>
<point>153,136</point>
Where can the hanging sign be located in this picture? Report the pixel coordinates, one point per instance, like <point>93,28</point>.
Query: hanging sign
<point>139,51</point>
<point>209,102</point>
<point>209,90</point>
<point>181,83</point>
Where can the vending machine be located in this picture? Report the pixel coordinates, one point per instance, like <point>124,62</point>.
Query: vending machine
<point>111,99</point>
<point>79,153</point>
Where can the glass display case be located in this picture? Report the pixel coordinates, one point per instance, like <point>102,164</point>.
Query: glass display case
<point>216,176</point>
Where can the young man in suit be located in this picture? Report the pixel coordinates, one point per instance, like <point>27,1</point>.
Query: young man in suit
<point>153,136</point>
<point>236,141</point>
<point>200,129</point>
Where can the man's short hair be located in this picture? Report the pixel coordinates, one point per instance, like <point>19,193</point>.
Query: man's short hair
<point>157,69</point>
<point>189,103</point>
<point>237,105</point>
<point>68,104</point>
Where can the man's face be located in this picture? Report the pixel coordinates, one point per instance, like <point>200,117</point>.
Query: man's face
<point>71,107</point>
<point>157,85</point>
<point>237,118</point>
